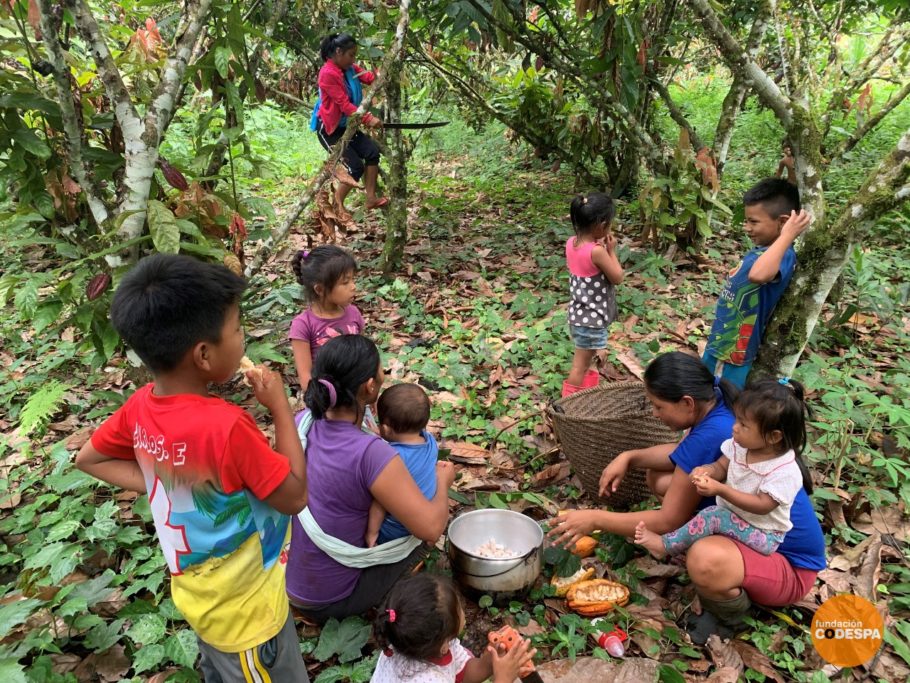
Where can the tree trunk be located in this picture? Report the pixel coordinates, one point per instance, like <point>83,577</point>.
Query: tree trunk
<point>396,235</point>
<point>724,132</point>
<point>822,258</point>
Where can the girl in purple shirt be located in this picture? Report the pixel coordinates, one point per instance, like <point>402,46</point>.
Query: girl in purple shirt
<point>326,275</point>
<point>346,469</point>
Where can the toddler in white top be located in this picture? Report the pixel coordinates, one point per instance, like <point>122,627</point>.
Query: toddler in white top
<point>755,480</point>
<point>417,629</point>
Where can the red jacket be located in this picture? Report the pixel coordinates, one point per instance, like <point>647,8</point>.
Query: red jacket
<point>334,95</point>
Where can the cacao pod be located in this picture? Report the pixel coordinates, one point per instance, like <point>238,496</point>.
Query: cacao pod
<point>596,597</point>
<point>232,263</point>
<point>584,547</point>
<point>564,583</point>
<point>97,286</point>
<point>173,177</point>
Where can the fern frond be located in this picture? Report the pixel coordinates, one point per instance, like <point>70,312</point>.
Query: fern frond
<point>42,406</point>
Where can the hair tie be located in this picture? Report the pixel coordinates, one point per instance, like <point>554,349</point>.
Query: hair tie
<point>392,616</point>
<point>333,397</point>
<point>304,254</point>
<point>584,200</point>
<point>717,382</point>
<point>785,381</point>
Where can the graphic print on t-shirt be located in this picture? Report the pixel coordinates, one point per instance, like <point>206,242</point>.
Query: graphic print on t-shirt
<point>333,331</point>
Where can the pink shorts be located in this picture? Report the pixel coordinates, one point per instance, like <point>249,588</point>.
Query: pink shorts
<point>771,580</point>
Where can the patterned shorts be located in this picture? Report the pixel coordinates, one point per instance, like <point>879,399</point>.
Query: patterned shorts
<point>588,338</point>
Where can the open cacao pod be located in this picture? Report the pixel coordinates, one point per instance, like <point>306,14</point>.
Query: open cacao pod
<point>596,597</point>
<point>564,583</point>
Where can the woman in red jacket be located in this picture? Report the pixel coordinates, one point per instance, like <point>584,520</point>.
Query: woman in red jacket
<point>340,93</point>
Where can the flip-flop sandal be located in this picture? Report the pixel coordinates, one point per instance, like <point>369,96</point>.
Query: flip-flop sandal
<point>382,201</point>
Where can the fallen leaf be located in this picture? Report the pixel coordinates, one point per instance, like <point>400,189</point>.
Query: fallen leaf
<point>755,660</point>
<point>884,520</point>
<point>532,628</point>
<point>465,452</point>
<point>725,658</point>
<point>631,364</point>
<point>78,439</point>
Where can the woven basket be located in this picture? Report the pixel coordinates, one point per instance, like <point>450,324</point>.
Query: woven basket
<point>595,425</point>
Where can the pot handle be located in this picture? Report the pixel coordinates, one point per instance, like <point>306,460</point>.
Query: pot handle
<point>518,561</point>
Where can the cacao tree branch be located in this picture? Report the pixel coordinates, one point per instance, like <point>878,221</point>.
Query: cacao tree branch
<point>677,115</point>
<point>740,64</point>
<point>114,87</point>
<point>612,106</point>
<point>723,133</point>
<point>892,41</point>
<point>164,101</point>
<point>79,166</point>
<point>873,121</point>
<point>822,257</point>
<point>281,231</point>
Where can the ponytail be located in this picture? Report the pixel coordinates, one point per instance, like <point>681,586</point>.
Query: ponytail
<point>420,614</point>
<point>343,365</point>
<point>673,375</point>
<point>587,210</point>
<point>334,42</point>
<point>779,404</point>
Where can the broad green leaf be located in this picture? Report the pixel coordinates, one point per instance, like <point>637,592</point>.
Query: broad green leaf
<point>104,636</point>
<point>346,639</point>
<point>182,648</point>
<point>222,60</point>
<point>31,142</point>
<point>11,671</point>
<point>23,100</point>
<point>15,613</point>
<point>148,657</point>
<point>27,297</point>
<point>147,629</point>
<point>164,229</point>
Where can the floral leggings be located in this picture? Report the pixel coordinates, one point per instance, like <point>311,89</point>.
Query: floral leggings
<point>717,520</point>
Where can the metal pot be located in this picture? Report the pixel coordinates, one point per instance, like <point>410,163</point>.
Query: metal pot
<point>501,577</point>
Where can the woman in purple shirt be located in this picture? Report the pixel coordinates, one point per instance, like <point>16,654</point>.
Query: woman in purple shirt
<point>346,469</point>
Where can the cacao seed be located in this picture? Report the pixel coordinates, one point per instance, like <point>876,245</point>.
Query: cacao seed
<point>97,286</point>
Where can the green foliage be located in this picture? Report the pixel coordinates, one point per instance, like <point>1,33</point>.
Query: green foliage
<point>345,639</point>
<point>42,406</point>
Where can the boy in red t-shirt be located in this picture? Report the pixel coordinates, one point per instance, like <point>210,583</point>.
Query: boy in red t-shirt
<point>220,496</point>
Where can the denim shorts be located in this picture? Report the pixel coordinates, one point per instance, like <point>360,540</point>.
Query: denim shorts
<point>588,338</point>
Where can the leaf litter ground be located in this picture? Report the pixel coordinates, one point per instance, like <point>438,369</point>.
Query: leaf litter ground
<point>477,317</point>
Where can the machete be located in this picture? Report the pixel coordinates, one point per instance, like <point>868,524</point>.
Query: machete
<point>414,126</point>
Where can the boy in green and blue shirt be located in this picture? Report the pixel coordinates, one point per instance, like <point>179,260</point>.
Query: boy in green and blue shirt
<point>773,220</point>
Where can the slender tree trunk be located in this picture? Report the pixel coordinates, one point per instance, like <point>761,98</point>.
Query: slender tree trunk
<point>396,235</point>
<point>725,124</point>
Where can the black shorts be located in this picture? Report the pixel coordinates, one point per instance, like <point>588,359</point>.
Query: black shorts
<point>362,150</point>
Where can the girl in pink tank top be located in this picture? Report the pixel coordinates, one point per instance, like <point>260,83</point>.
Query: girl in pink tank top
<point>594,270</point>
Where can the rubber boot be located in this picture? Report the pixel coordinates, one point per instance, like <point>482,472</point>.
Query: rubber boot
<point>569,389</point>
<point>721,617</point>
<point>592,379</point>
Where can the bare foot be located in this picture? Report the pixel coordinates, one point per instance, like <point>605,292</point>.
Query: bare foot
<point>651,542</point>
